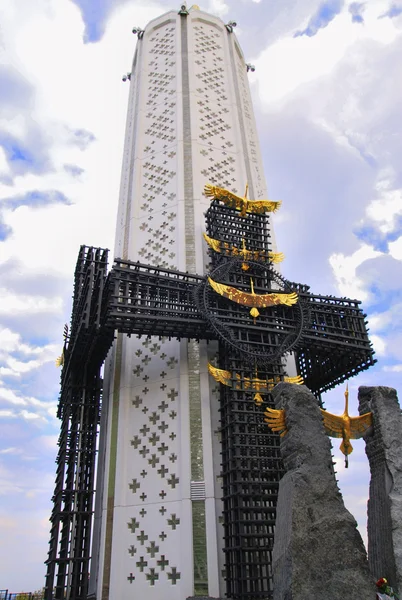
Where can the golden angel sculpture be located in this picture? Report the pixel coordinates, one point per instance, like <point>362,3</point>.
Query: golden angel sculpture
<point>254,383</point>
<point>239,202</point>
<point>346,427</point>
<point>252,299</point>
<point>246,255</point>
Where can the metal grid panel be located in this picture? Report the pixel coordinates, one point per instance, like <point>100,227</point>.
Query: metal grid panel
<point>79,409</point>
<point>225,224</point>
<point>251,470</point>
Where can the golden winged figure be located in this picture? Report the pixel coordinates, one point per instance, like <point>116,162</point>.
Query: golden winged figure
<point>220,375</point>
<point>253,383</point>
<point>276,420</point>
<point>346,427</point>
<point>252,299</point>
<point>59,362</point>
<point>228,249</point>
<point>239,202</point>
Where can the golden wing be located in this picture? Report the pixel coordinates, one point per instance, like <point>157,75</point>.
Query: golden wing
<point>298,380</point>
<point>225,196</point>
<point>227,291</point>
<point>264,300</point>
<point>334,424</point>
<point>263,206</point>
<point>251,299</point>
<point>360,425</point>
<point>276,420</point>
<point>214,244</point>
<point>276,257</point>
<point>259,255</point>
<point>59,362</point>
<point>220,375</point>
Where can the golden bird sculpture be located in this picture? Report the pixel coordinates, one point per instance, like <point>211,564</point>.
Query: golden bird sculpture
<point>252,299</point>
<point>241,203</point>
<point>59,362</point>
<point>276,420</point>
<point>247,255</point>
<point>254,383</point>
<point>346,427</point>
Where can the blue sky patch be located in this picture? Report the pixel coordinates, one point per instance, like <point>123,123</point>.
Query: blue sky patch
<point>25,158</point>
<point>374,237</point>
<point>394,11</point>
<point>5,231</point>
<point>94,15</point>
<point>324,15</point>
<point>15,90</point>
<point>35,199</point>
<point>82,138</point>
<point>73,170</point>
<point>356,10</point>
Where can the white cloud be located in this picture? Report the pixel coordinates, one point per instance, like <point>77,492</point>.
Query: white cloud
<point>217,7</point>
<point>344,270</point>
<point>4,168</point>
<point>4,413</point>
<point>8,395</point>
<point>26,414</point>
<point>393,369</point>
<point>11,341</point>
<point>395,248</point>
<point>12,450</point>
<point>378,344</point>
<point>380,322</point>
<point>23,304</point>
<point>387,207</point>
<point>294,61</point>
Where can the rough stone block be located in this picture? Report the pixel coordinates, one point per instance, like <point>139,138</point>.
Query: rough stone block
<point>318,551</point>
<point>384,451</point>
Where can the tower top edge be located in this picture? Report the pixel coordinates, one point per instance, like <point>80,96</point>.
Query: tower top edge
<point>192,14</point>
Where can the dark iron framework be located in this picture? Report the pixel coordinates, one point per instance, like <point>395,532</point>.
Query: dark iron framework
<point>327,335</point>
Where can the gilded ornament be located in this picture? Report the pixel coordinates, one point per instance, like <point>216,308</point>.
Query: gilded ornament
<point>254,384</point>
<point>59,362</point>
<point>239,202</point>
<point>247,255</point>
<point>346,427</point>
<point>252,299</point>
<point>276,420</point>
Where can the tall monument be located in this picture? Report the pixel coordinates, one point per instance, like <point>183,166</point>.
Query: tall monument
<point>187,471</point>
<point>190,121</point>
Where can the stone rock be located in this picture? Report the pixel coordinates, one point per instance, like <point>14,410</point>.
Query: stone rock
<point>384,451</point>
<point>318,552</point>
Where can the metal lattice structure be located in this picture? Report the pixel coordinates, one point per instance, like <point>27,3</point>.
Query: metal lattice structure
<point>79,412</point>
<point>327,335</point>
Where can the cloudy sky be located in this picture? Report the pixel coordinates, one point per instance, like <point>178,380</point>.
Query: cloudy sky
<point>328,97</point>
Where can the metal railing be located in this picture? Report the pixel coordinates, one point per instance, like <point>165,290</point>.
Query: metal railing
<point>6,595</point>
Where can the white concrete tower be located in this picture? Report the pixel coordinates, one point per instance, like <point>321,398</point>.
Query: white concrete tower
<point>158,532</point>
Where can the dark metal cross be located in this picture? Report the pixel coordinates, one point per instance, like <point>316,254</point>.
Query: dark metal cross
<point>327,336</point>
